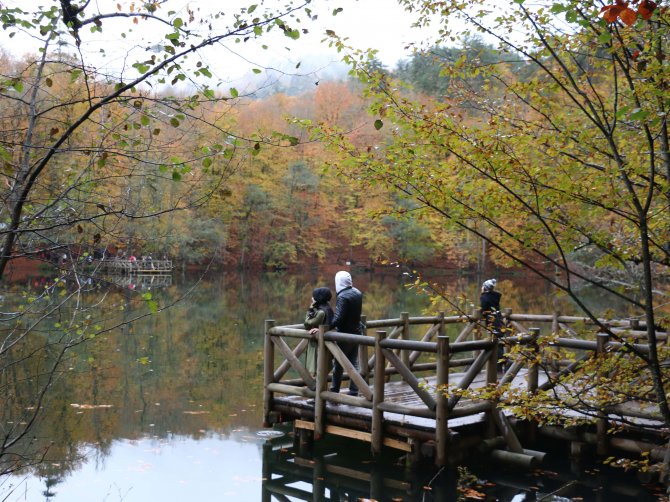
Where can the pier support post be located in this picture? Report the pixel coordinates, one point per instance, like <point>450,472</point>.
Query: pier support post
<point>322,369</point>
<point>441,409</point>
<point>533,368</point>
<point>533,376</point>
<point>476,318</point>
<point>404,335</point>
<point>268,373</point>
<point>491,380</point>
<point>303,442</point>
<point>602,424</point>
<point>377,436</point>
<point>363,354</point>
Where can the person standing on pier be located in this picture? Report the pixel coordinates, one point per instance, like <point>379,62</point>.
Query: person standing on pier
<point>489,301</point>
<point>319,312</point>
<point>347,319</point>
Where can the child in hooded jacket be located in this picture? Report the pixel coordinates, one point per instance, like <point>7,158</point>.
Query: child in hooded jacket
<point>319,312</point>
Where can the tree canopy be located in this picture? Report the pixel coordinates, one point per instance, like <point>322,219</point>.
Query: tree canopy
<point>555,153</point>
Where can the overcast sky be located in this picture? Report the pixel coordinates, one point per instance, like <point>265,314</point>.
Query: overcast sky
<point>378,24</point>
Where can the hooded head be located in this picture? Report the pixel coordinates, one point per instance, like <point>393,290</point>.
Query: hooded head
<point>342,280</point>
<point>322,295</point>
<point>489,285</point>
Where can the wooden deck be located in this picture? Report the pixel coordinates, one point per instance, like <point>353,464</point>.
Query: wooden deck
<point>135,266</point>
<point>404,409</point>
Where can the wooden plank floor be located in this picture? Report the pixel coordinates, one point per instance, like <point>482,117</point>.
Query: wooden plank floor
<point>396,392</point>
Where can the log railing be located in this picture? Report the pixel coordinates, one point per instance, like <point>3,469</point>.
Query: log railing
<point>392,352</point>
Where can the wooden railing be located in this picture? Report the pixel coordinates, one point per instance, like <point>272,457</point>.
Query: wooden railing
<point>135,266</point>
<point>392,351</point>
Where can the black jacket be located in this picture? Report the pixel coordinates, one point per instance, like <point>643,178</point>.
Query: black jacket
<point>490,301</point>
<point>490,304</point>
<point>348,311</point>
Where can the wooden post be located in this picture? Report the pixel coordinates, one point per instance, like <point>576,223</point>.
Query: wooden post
<point>533,377</point>
<point>376,483</point>
<point>601,424</point>
<point>322,369</point>
<point>492,379</point>
<point>477,317</point>
<point>266,472</point>
<point>318,480</point>
<point>404,335</point>
<point>303,442</point>
<point>441,410</point>
<point>268,373</point>
<point>533,368</point>
<point>492,364</point>
<point>378,396</point>
<point>363,355</point>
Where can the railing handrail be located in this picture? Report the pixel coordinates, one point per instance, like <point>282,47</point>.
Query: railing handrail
<point>394,353</point>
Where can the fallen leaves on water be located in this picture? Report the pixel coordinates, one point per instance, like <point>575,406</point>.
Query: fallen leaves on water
<point>473,494</point>
<point>90,406</point>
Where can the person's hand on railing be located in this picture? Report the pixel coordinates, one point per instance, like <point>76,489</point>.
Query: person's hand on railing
<point>313,331</point>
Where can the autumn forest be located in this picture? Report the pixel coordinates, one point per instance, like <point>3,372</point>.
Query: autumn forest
<point>532,138</point>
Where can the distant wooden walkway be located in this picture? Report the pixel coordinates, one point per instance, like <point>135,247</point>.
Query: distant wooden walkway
<point>135,266</point>
<point>404,409</point>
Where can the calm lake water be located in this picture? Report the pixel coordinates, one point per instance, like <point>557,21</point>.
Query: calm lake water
<point>169,407</point>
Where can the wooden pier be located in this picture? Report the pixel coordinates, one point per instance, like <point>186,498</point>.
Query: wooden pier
<point>119,266</point>
<point>421,402</point>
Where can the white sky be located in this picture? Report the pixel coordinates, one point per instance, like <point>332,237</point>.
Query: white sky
<point>378,24</point>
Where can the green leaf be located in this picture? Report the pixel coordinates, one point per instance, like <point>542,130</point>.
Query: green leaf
<point>174,122</point>
<point>233,92</point>
<point>178,23</point>
<point>379,124</point>
<point>639,114</point>
<point>176,175</point>
<point>293,34</point>
<point>5,155</point>
<point>605,37</point>
<point>141,68</point>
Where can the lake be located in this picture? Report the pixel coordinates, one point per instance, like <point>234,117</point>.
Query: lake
<point>169,406</point>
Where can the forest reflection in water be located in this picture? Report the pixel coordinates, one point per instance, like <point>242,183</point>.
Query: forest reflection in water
<point>171,403</point>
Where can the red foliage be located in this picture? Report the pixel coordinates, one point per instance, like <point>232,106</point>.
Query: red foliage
<point>622,10</point>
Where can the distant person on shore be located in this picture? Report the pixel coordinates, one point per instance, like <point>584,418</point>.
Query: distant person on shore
<point>319,312</point>
<point>489,301</point>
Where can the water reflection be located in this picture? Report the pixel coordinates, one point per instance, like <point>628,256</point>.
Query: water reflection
<point>333,473</point>
<point>185,384</point>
